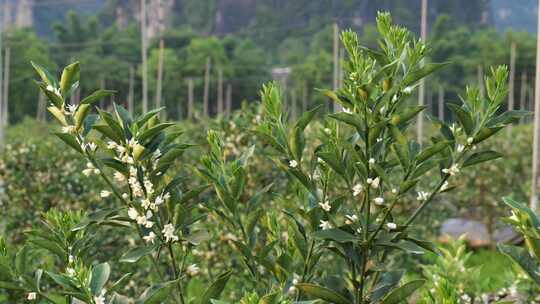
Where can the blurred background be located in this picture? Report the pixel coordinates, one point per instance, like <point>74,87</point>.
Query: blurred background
<point>218,52</point>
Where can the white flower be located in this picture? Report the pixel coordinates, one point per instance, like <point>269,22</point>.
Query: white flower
<point>292,290</point>
<point>357,189</point>
<point>350,219</point>
<point>325,225</point>
<point>56,91</point>
<point>168,233</point>
<point>422,196</point>
<point>90,169</point>
<point>132,143</point>
<point>111,145</point>
<point>320,160</point>
<point>125,196</point>
<point>470,140</point>
<point>71,259</point>
<point>460,148</point>
<point>327,131</point>
<point>193,270</point>
<point>346,110</point>
<point>378,200</point>
<point>70,271</point>
<point>408,90</point>
<point>374,183</point>
<point>101,298</point>
<point>119,177</point>
<point>325,206</point>
<point>31,296</point>
<point>454,128</point>
<point>105,193</point>
<point>394,191</point>
<point>391,226</point>
<point>444,186</point>
<point>371,161</point>
<point>145,203</point>
<point>91,146</point>
<point>69,129</point>
<point>71,109</point>
<point>150,237</point>
<point>453,170</point>
<point>293,163</point>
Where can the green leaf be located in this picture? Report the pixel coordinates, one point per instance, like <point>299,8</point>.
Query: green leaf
<point>10,285</point>
<point>401,293</point>
<point>156,294</point>
<point>432,150</point>
<point>216,288</point>
<point>97,96</point>
<point>335,234</point>
<point>463,116</point>
<point>150,133</point>
<point>70,76</point>
<point>406,115</point>
<point>350,119</point>
<point>481,157</point>
<point>100,276</point>
<point>508,117</point>
<point>56,100</point>
<point>45,76</point>
<point>21,260</point>
<point>422,72</point>
<point>62,280</point>
<point>485,133</point>
<point>135,254</point>
<point>523,259</point>
<point>322,293</point>
<point>306,118</point>
<point>70,140</point>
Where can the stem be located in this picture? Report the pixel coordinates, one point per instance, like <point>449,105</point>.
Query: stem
<point>176,274</point>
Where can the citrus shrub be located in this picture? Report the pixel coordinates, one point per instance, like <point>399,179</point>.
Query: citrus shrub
<point>342,190</point>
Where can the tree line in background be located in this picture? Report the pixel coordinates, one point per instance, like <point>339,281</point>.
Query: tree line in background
<point>112,57</point>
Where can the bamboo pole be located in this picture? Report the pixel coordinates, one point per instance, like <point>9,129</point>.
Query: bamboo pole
<point>144,55</point>
<point>480,76</point>
<point>336,61</point>
<point>228,100</point>
<point>523,92</point>
<point>190,98</point>
<point>159,85</point>
<point>5,98</point>
<point>220,107</point>
<point>294,112</point>
<point>440,101</point>
<point>421,88</point>
<point>2,109</point>
<point>511,81</point>
<point>534,183</point>
<point>206,86</point>
<point>304,98</point>
<point>131,90</point>
<point>40,113</point>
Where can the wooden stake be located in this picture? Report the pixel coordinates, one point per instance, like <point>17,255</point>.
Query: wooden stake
<point>5,99</point>
<point>228,100</point>
<point>480,75</point>
<point>220,107</point>
<point>160,73</point>
<point>131,90</point>
<point>206,86</point>
<point>421,88</point>
<point>511,81</point>
<point>441,104</point>
<point>144,49</point>
<point>294,113</point>
<point>190,98</point>
<point>40,113</point>
<point>336,61</point>
<point>536,138</point>
<point>304,98</point>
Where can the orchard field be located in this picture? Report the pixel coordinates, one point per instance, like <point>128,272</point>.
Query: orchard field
<point>351,197</point>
